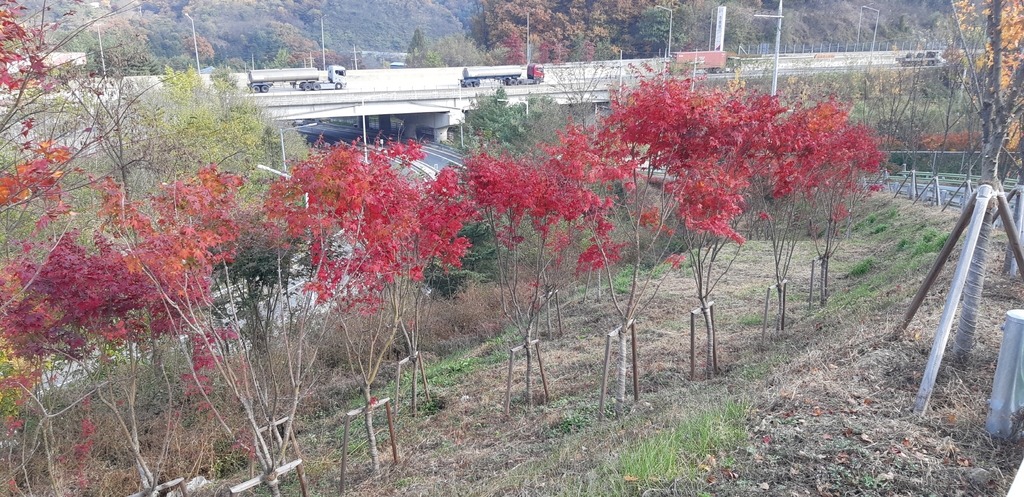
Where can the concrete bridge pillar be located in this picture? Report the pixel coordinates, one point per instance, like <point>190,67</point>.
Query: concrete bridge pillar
<point>438,122</point>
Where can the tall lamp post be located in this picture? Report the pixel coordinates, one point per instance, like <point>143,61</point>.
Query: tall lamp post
<point>323,48</point>
<point>103,60</point>
<point>778,39</point>
<point>195,41</point>
<point>668,49</point>
<point>284,163</point>
<point>874,32</point>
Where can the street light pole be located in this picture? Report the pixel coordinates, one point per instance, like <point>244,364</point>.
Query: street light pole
<point>668,50</point>
<point>195,41</point>
<point>284,163</point>
<point>103,60</point>
<point>778,39</point>
<point>874,33</point>
<point>323,48</point>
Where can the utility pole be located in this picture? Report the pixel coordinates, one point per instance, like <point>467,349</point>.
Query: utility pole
<point>323,48</point>
<point>355,61</point>
<point>527,37</point>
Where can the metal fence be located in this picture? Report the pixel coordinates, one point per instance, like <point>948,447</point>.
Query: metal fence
<point>837,46</point>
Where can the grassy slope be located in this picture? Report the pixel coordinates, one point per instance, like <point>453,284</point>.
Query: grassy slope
<point>823,408</point>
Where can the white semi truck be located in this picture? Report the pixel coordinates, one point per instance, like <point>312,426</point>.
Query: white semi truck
<point>260,80</point>
<point>507,75</point>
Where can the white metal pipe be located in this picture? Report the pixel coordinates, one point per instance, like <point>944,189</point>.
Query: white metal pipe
<point>953,300</point>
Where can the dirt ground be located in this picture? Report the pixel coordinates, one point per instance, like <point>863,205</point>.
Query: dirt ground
<point>829,400</point>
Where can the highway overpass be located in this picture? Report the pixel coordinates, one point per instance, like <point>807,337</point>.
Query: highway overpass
<point>432,97</point>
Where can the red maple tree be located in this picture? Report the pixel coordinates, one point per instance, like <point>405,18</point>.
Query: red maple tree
<point>371,227</point>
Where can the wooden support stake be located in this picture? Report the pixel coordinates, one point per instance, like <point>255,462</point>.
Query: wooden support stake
<point>543,377</point>
<point>940,261</point>
<point>302,480</point>
<point>558,312</point>
<point>1012,236</point>
<point>693,355</point>
<point>398,383</point>
<point>391,430</point>
<point>344,453</point>
<point>423,373</point>
<point>636,371</point>
<point>810,296</point>
<point>764,322</point>
<point>900,188</point>
<point>951,197</point>
<point>508,383</point>
<point>604,377</point>
<point>547,313</point>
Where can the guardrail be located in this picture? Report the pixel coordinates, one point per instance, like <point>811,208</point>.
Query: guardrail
<point>942,189</point>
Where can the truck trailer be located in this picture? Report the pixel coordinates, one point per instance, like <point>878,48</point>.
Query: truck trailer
<point>508,75</point>
<point>925,58</point>
<point>260,80</point>
<point>708,60</point>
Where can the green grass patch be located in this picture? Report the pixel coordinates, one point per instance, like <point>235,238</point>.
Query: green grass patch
<point>756,372</point>
<point>931,241</point>
<point>448,372</point>
<point>863,267</point>
<point>752,319</point>
<point>879,229</point>
<point>575,421</point>
<point>678,452</point>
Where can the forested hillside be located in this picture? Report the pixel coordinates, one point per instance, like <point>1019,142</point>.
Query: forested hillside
<point>141,38</point>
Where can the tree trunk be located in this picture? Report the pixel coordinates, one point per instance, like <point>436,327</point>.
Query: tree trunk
<point>709,325</point>
<point>275,487</point>
<point>620,385</point>
<point>781,310</point>
<point>371,436</point>
<point>529,361</point>
<point>529,366</point>
<point>963,343</point>
<point>823,280</point>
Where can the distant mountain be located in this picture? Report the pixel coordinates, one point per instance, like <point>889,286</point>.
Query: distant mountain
<point>287,33</point>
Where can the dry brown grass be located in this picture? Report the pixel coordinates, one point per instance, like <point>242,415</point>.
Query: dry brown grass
<point>829,399</point>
